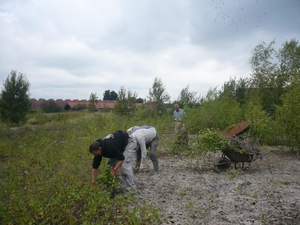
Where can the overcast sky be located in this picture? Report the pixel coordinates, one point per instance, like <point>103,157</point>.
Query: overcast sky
<point>68,49</point>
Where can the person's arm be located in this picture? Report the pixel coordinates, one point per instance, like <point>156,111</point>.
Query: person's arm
<point>142,144</point>
<point>96,163</point>
<point>120,157</point>
<point>118,165</point>
<point>109,136</point>
<point>94,176</point>
<point>174,117</point>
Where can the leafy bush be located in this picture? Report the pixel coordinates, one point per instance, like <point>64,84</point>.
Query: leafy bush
<point>211,141</point>
<point>213,113</point>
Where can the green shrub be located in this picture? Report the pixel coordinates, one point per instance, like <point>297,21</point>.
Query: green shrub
<point>211,141</point>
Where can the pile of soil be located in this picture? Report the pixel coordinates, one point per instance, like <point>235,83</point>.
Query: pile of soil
<point>190,192</point>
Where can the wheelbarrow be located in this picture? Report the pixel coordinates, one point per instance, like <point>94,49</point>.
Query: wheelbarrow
<point>238,158</point>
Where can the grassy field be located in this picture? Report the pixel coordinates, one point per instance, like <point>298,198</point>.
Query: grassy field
<point>45,172</point>
<point>45,166</point>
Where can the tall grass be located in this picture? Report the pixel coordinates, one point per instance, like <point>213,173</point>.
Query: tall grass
<point>45,173</point>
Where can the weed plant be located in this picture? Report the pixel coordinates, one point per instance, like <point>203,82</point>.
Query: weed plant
<point>45,176</point>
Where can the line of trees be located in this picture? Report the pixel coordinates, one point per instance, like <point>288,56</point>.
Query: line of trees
<point>269,98</point>
<point>272,90</point>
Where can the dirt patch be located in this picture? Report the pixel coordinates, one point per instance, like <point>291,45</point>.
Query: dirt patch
<point>189,193</point>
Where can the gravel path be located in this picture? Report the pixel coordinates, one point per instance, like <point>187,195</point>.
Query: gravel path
<point>186,193</point>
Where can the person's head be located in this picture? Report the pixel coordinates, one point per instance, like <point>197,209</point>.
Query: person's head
<point>176,107</point>
<point>95,148</point>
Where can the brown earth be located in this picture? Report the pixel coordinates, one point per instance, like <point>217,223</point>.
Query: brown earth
<point>190,192</point>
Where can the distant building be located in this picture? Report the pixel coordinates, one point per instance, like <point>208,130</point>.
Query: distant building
<point>69,104</point>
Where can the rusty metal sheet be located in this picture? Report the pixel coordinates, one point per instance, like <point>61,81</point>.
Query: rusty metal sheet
<point>237,129</point>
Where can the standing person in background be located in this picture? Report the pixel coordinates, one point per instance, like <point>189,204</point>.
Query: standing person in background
<point>179,127</point>
<point>145,136</point>
<point>118,148</point>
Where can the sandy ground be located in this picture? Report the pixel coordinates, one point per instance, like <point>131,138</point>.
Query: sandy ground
<point>188,192</point>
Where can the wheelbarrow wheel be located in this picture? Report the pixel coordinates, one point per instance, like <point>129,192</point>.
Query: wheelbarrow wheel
<point>222,165</point>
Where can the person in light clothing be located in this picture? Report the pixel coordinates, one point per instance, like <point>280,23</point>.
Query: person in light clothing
<point>178,115</point>
<point>137,154</point>
<point>145,137</point>
<point>134,128</point>
<point>179,127</point>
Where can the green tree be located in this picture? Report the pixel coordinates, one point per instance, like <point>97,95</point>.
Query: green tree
<point>237,89</point>
<point>158,96</point>
<point>106,95</point>
<point>215,112</point>
<point>272,71</point>
<point>113,96</point>
<point>139,100</point>
<point>14,98</point>
<point>50,106</point>
<point>187,98</point>
<point>93,101</point>
<point>125,102</point>
<point>289,58</point>
<point>288,114</point>
<point>110,95</point>
<point>242,90</point>
<point>263,64</point>
<point>79,107</point>
<point>264,75</point>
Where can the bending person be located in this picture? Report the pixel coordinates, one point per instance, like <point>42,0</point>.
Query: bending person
<point>118,148</point>
<point>146,137</point>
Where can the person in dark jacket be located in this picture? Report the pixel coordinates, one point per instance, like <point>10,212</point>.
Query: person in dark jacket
<point>118,148</point>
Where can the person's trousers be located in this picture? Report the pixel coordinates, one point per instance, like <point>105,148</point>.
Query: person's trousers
<point>126,167</point>
<point>180,129</point>
<point>153,146</point>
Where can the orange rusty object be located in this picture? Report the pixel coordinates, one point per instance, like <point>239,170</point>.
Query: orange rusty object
<point>236,129</point>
